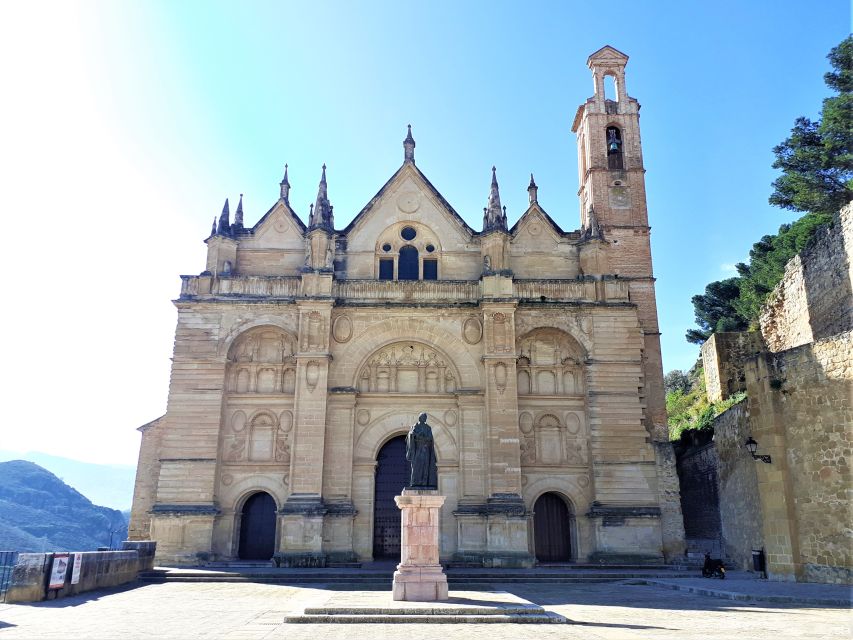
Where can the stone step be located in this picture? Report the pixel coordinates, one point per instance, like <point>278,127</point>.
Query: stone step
<point>383,618</point>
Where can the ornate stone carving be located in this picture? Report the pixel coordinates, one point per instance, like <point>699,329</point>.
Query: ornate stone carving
<point>342,329</point>
<point>406,367</point>
<point>472,330</point>
<point>286,421</point>
<point>450,417</point>
<point>312,374</point>
<point>549,363</point>
<point>238,421</point>
<point>227,479</point>
<point>362,417</point>
<point>500,372</point>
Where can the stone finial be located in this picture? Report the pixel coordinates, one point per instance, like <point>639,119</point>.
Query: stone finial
<point>532,191</point>
<point>593,229</point>
<point>409,147</point>
<point>238,215</point>
<point>322,213</point>
<point>285,187</point>
<point>494,216</point>
<point>213,228</point>
<point>224,227</point>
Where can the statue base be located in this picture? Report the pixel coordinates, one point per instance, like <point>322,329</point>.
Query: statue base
<point>419,576</point>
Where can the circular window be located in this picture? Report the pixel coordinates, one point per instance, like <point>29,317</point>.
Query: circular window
<point>408,233</point>
<point>430,248</point>
<point>386,247</point>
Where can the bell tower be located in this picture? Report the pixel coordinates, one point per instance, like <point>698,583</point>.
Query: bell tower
<point>612,199</point>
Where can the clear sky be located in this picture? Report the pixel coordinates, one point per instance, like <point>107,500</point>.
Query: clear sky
<point>126,124</point>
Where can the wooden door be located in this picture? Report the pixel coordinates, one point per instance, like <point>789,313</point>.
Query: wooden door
<point>392,475</point>
<point>552,529</point>
<point>257,528</point>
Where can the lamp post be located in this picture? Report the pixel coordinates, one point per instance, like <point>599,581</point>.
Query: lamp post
<point>752,446</point>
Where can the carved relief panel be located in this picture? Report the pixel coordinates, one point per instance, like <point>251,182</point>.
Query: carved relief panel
<point>407,367</point>
<point>546,440</point>
<point>549,363</point>
<point>262,361</point>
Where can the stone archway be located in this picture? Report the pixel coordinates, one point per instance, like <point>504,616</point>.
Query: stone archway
<point>257,527</point>
<point>552,529</point>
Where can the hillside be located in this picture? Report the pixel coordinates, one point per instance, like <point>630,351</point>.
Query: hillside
<point>39,512</point>
<point>110,485</point>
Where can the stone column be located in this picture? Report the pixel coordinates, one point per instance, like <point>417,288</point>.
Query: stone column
<point>301,542</point>
<point>419,576</point>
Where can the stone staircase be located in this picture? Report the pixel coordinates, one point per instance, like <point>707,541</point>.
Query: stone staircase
<point>378,575</point>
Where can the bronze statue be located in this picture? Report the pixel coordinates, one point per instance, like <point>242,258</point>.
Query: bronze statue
<point>420,452</point>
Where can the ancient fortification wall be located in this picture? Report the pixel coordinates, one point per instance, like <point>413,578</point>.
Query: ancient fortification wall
<point>813,300</point>
<point>799,411</point>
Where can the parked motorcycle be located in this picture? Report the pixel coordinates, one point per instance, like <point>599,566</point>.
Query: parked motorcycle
<point>713,567</point>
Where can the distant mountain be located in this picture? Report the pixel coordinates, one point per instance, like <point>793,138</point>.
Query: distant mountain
<point>108,484</point>
<point>39,512</point>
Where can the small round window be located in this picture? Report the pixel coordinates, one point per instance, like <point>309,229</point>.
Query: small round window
<point>408,233</point>
<point>386,247</point>
<point>430,248</point>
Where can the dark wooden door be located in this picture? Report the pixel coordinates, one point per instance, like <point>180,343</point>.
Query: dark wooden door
<point>257,528</point>
<point>552,529</point>
<point>392,475</point>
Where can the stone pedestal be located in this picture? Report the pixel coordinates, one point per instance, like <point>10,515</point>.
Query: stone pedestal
<point>419,576</point>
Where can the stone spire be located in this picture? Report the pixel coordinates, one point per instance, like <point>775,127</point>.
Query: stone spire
<point>238,215</point>
<point>409,147</point>
<point>213,228</point>
<point>494,216</point>
<point>323,213</point>
<point>224,227</point>
<point>285,187</point>
<point>532,191</point>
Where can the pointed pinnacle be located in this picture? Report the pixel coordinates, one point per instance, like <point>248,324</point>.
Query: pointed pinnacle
<point>225,208</point>
<point>532,183</point>
<point>284,180</point>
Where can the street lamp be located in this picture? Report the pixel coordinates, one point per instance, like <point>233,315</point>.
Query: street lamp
<point>752,446</point>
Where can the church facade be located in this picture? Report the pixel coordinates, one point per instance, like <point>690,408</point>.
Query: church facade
<point>304,353</point>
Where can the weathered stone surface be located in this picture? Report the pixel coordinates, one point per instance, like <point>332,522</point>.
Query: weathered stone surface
<point>535,349</point>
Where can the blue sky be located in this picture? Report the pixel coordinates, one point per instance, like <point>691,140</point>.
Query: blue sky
<point>131,122</point>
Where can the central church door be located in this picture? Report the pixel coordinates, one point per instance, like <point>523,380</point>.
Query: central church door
<point>392,475</point>
<point>257,528</point>
<point>552,529</point>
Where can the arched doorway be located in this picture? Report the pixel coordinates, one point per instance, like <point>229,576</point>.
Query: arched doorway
<point>552,529</point>
<point>257,528</point>
<point>392,475</point>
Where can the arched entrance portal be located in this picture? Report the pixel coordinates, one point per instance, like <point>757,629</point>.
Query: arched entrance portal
<point>392,474</point>
<point>257,528</point>
<point>552,528</point>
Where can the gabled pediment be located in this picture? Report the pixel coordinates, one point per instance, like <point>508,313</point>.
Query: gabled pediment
<point>407,196</point>
<point>279,228</point>
<point>607,56</point>
<point>534,222</point>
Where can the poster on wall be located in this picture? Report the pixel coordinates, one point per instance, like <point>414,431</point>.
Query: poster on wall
<point>75,572</point>
<point>58,571</point>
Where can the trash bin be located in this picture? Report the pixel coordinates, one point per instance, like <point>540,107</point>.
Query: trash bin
<point>758,561</point>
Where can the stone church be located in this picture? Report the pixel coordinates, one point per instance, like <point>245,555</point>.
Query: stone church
<point>303,354</point>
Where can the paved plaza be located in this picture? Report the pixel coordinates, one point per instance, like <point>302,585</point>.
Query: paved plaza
<point>248,611</point>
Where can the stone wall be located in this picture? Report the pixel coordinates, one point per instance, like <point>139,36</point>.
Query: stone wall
<point>800,414</point>
<point>723,355</point>
<point>99,570</point>
<point>697,465</point>
<point>740,507</point>
<point>813,300</point>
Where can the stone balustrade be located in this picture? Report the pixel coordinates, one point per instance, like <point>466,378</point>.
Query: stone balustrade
<point>205,287</point>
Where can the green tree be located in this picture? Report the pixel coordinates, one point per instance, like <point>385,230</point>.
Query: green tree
<point>715,310</point>
<point>817,159</point>
<point>677,380</point>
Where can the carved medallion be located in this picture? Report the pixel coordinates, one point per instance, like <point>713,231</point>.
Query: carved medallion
<point>312,374</point>
<point>583,482</point>
<point>286,421</point>
<point>342,329</point>
<point>525,422</point>
<point>227,479</point>
<point>472,330</point>
<point>238,421</point>
<point>409,202</point>
<point>362,417</point>
<point>450,417</point>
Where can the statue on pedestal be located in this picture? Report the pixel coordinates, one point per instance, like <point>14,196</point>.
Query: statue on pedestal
<point>420,452</point>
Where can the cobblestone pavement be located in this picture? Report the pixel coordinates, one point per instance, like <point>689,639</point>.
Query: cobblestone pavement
<point>232,611</point>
